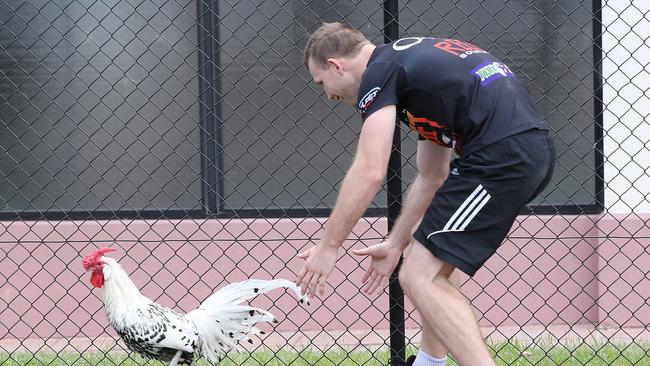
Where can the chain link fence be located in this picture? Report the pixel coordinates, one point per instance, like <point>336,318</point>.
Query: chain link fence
<point>188,135</point>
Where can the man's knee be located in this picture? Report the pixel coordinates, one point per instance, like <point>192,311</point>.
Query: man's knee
<point>413,278</point>
<point>421,269</point>
<point>407,277</point>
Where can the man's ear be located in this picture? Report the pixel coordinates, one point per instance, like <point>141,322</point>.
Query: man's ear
<point>335,63</point>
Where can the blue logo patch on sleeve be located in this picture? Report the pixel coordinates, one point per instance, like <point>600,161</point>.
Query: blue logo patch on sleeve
<point>368,98</point>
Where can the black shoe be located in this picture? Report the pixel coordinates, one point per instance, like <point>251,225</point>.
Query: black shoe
<point>410,360</point>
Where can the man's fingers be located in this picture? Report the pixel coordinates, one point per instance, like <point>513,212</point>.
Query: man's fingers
<point>366,276</point>
<point>384,282</point>
<point>368,288</point>
<point>304,283</point>
<point>375,283</point>
<point>362,251</point>
<point>371,283</point>
<point>301,275</point>
<point>303,272</point>
<point>321,286</point>
<point>312,283</point>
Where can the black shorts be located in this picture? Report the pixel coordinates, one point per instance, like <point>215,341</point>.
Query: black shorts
<point>475,208</point>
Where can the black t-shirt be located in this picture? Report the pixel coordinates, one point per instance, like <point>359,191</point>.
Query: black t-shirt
<point>450,92</point>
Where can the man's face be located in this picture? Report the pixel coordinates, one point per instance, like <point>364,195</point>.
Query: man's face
<point>334,80</point>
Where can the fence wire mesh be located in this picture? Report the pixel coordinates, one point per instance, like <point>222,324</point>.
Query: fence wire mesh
<point>188,135</point>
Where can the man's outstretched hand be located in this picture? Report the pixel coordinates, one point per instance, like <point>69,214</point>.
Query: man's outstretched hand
<point>384,259</point>
<point>317,269</point>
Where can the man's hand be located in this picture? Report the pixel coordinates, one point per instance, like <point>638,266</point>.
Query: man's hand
<point>314,274</point>
<point>384,259</point>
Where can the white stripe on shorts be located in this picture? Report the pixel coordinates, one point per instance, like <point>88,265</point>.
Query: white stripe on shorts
<point>466,212</point>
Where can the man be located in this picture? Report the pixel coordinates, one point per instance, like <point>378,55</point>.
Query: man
<point>454,95</point>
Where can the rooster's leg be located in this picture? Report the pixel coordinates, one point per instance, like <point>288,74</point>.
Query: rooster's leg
<point>177,356</point>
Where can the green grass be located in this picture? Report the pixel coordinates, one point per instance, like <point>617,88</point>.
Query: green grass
<point>510,353</point>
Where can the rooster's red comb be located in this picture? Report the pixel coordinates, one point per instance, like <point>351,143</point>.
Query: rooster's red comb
<point>93,257</point>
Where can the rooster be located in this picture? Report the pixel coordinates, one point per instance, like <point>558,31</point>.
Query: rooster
<point>218,325</point>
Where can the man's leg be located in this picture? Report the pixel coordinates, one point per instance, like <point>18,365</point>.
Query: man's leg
<point>425,280</point>
<point>432,352</point>
<point>429,343</point>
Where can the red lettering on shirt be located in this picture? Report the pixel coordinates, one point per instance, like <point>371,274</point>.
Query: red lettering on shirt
<point>456,47</point>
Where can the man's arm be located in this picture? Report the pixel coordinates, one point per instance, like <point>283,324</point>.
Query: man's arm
<point>365,176</point>
<point>433,167</point>
<point>360,185</point>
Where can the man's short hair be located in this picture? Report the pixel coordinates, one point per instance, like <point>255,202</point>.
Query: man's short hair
<point>333,40</point>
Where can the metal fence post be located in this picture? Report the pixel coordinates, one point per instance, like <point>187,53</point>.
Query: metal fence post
<point>208,33</point>
<point>394,202</point>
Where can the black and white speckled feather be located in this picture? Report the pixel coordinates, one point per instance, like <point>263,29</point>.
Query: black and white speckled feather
<point>219,324</point>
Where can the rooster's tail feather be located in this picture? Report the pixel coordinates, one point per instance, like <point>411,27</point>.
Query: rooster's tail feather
<point>237,292</point>
<point>223,323</point>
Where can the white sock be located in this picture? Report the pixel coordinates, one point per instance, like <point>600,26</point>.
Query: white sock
<point>424,359</point>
